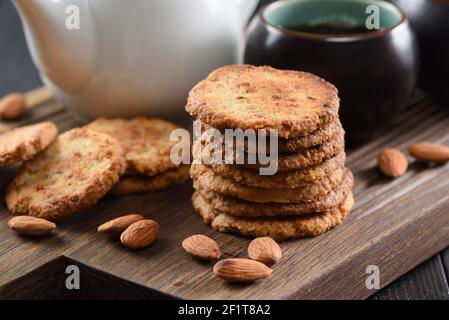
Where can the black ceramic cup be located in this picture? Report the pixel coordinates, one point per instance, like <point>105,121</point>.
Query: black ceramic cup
<point>430,21</point>
<point>374,70</point>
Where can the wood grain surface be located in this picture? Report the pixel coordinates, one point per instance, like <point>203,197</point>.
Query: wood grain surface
<point>396,224</point>
<point>427,281</point>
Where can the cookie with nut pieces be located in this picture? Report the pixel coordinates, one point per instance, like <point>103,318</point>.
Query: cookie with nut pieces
<point>145,142</point>
<point>206,178</point>
<point>23,143</point>
<point>243,208</point>
<point>282,180</point>
<point>248,97</point>
<point>324,135</point>
<point>285,162</point>
<point>277,228</point>
<point>72,174</point>
<point>137,184</point>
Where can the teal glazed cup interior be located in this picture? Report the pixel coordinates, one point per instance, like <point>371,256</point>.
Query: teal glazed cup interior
<point>310,14</point>
<point>374,70</point>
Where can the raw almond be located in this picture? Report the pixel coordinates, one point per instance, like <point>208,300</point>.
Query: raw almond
<point>241,270</point>
<point>392,162</point>
<point>140,234</point>
<point>201,247</point>
<point>430,152</point>
<point>265,250</point>
<point>31,226</point>
<point>116,226</point>
<point>12,106</point>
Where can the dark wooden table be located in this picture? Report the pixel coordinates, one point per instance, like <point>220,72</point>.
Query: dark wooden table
<point>17,73</point>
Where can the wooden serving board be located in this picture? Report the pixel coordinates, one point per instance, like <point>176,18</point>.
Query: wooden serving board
<point>395,225</point>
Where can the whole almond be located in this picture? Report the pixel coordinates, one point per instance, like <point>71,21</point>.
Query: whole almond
<point>31,226</point>
<point>116,226</point>
<point>392,162</point>
<point>241,270</point>
<point>12,106</point>
<point>430,152</point>
<point>140,234</point>
<point>202,247</point>
<point>265,250</point>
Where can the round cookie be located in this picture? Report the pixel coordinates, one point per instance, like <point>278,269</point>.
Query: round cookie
<point>24,143</point>
<point>282,228</point>
<point>282,180</point>
<point>133,184</point>
<point>205,178</point>
<point>248,97</point>
<point>78,169</point>
<point>321,136</point>
<point>251,209</point>
<point>145,142</point>
<point>306,158</point>
<point>286,162</point>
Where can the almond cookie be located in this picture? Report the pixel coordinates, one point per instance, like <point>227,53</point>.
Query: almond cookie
<point>322,136</point>
<point>145,142</point>
<point>278,228</point>
<point>205,178</point>
<point>248,97</point>
<point>251,209</point>
<point>78,169</point>
<point>132,184</point>
<point>286,162</point>
<point>282,180</point>
<point>308,157</point>
<point>24,143</point>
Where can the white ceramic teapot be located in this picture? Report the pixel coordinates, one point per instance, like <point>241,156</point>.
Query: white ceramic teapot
<point>125,58</point>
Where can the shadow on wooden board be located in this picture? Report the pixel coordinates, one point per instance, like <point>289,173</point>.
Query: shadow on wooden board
<point>49,283</point>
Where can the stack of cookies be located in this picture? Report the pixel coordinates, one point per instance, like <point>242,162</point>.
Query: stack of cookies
<point>310,193</point>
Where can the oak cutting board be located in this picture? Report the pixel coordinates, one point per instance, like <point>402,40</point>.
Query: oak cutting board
<point>395,225</point>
